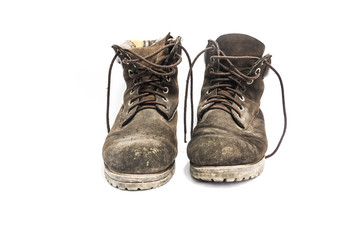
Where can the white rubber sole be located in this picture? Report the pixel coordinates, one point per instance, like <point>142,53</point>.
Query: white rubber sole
<point>135,182</point>
<point>235,173</point>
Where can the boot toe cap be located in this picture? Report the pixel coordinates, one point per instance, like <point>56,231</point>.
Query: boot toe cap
<point>214,150</point>
<point>140,156</point>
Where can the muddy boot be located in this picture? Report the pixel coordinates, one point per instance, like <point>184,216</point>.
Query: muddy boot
<point>140,149</point>
<point>229,142</point>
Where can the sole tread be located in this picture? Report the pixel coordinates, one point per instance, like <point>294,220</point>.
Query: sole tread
<point>235,173</point>
<point>138,182</point>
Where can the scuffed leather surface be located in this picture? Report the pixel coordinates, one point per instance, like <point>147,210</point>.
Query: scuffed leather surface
<point>147,144</point>
<point>144,141</point>
<point>218,139</point>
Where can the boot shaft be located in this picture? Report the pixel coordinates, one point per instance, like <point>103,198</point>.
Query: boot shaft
<point>237,95</point>
<point>150,72</point>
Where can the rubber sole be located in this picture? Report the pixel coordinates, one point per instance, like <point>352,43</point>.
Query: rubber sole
<point>135,182</point>
<point>235,173</point>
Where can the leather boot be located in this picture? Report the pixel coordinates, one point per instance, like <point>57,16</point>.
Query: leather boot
<point>229,142</point>
<point>140,149</point>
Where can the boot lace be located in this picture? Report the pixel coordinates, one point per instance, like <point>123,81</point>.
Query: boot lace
<point>227,83</point>
<point>148,79</point>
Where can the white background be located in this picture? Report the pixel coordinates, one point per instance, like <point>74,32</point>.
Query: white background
<point>54,58</point>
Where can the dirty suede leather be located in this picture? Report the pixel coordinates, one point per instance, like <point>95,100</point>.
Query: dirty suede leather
<point>143,141</point>
<point>220,138</point>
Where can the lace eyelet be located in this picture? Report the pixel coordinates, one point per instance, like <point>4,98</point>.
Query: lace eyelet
<point>242,98</point>
<point>241,108</point>
<point>132,91</point>
<point>165,99</point>
<point>257,71</point>
<point>167,78</point>
<point>243,89</point>
<point>213,47</point>
<point>166,90</point>
<point>250,82</point>
<point>130,103</point>
<point>207,92</point>
<point>212,59</point>
<point>211,70</point>
<point>130,73</point>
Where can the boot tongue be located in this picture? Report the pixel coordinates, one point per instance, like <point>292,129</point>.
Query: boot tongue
<point>240,45</point>
<point>147,47</point>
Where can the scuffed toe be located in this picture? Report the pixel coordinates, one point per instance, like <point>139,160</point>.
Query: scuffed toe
<point>141,156</point>
<point>212,150</point>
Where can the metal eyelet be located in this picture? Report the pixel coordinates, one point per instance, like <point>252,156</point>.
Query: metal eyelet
<point>132,91</point>
<point>165,99</point>
<point>213,47</point>
<point>250,82</point>
<point>211,70</point>
<point>166,90</point>
<point>241,108</point>
<point>131,73</point>
<point>212,59</point>
<point>130,103</point>
<point>167,78</point>
<point>242,98</point>
<point>257,71</point>
<point>243,89</point>
<point>207,92</point>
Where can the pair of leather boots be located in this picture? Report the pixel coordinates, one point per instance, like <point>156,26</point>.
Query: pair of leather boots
<point>229,141</point>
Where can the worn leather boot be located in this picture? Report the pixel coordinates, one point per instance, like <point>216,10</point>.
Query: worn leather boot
<point>140,149</point>
<point>229,142</point>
